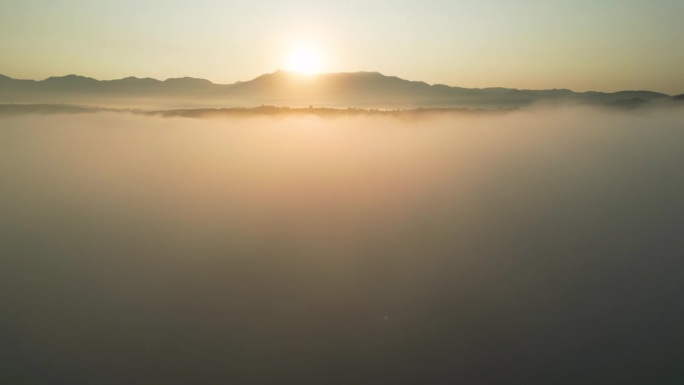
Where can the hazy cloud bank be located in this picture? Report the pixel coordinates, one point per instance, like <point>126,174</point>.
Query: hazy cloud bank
<point>537,246</point>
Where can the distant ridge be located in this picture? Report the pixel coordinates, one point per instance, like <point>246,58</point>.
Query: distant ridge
<point>282,88</point>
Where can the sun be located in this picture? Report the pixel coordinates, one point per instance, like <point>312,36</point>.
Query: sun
<point>305,60</point>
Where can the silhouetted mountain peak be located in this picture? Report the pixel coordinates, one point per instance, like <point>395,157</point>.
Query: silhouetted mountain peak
<point>71,79</point>
<point>679,97</point>
<point>285,75</point>
<point>135,80</point>
<point>281,74</point>
<point>133,84</point>
<point>188,81</point>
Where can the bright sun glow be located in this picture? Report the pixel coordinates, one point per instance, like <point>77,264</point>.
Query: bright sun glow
<point>304,59</point>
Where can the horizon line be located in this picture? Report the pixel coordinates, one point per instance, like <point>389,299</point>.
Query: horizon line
<point>312,75</point>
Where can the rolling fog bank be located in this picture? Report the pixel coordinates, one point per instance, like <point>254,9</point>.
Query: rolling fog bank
<point>536,247</point>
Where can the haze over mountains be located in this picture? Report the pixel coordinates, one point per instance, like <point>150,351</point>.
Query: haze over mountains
<point>282,88</point>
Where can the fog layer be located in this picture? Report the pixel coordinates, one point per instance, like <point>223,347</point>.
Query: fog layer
<point>538,247</point>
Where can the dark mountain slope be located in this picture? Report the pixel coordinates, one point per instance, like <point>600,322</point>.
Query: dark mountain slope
<point>362,89</point>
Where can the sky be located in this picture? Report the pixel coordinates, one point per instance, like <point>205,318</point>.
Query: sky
<point>582,45</point>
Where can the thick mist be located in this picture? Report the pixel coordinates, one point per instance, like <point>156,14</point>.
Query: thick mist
<point>533,247</point>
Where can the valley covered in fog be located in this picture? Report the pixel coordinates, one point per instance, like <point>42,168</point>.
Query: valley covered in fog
<point>544,243</point>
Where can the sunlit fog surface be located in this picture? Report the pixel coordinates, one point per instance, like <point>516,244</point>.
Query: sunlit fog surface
<point>538,247</point>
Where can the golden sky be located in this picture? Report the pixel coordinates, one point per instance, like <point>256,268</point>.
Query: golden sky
<point>603,45</point>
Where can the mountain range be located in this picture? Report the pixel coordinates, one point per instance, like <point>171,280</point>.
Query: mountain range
<point>282,88</point>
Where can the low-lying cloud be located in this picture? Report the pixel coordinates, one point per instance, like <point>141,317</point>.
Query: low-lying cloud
<point>537,246</point>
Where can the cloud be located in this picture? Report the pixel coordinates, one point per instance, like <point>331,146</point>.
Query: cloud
<point>539,245</point>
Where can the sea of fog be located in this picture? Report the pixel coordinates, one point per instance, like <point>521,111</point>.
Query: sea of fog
<point>533,247</point>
